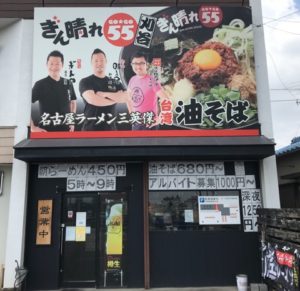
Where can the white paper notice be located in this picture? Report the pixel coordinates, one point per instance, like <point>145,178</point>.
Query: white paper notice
<point>88,230</point>
<point>80,218</point>
<point>70,233</point>
<point>188,215</point>
<point>219,210</point>
<point>239,168</point>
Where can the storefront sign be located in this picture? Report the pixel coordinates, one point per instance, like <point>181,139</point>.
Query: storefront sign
<point>251,201</point>
<point>196,176</point>
<point>197,65</point>
<point>44,222</point>
<point>80,218</point>
<point>185,182</point>
<point>82,170</point>
<point>85,177</point>
<point>186,168</point>
<point>219,210</point>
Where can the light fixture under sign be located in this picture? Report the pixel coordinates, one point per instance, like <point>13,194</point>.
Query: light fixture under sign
<point>1,182</point>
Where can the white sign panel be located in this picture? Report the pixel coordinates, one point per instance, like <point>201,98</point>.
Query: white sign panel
<point>184,182</point>
<point>82,170</point>
<point>246,182</point>
<point>239,168</point>
<point>85,177</point>
<point>251,201</point>
<point>225,182</point>
<point>186,168</point>
<point>91,184</point>
<point>219,210</point>
<point>197,176</point>
<point>80,218</point>
<point>188,215</point>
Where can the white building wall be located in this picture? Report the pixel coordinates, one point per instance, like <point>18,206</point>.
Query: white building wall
<point>15,99</point>
<point>15,96</point>
<point>268,170</point>
<point>4,203</point>
<point>9,72</point>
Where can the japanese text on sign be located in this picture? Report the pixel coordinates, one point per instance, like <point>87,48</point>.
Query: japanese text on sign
<point>91,184</point>
<point>204,79</point>
<point>251,201</point>
<point>73,29</point>
<point>195,176</point>
<point>186,168</point>
<point>44,222</point>
<point>82,170</point>
<point>145,31</point>
<point>85,177</point>
<point>185,182</point>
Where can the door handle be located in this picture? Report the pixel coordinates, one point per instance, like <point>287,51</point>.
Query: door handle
<point>62,227</point>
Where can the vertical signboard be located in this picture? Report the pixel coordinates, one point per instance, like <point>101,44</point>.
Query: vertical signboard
<point>124,72</point>
<point>44,222</point>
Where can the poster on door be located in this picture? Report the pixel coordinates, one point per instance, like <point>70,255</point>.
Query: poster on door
<point>114,229</point>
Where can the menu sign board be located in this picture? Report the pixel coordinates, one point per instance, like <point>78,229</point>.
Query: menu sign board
<point>85,177</point>
<point>155,71</point>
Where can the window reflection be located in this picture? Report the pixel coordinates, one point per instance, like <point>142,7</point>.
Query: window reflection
<point>178,210</point>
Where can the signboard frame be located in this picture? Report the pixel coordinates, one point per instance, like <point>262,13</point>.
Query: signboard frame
<point>64,29</point>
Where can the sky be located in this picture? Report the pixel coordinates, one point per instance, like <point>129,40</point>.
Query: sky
<point>281,20</point>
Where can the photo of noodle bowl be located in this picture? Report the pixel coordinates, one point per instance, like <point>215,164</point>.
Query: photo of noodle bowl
<point>208,65</point>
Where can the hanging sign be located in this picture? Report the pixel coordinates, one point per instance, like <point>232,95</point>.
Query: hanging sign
<point>44,222</point>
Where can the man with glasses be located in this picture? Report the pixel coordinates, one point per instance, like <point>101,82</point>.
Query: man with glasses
<point>144,91</point>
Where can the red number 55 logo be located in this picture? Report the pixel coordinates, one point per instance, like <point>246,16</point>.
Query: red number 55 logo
<point>210,16</point>
<point>119,29</point>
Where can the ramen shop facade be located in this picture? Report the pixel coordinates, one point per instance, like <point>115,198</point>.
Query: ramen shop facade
<point>125,194</point>
<point>144,215</point>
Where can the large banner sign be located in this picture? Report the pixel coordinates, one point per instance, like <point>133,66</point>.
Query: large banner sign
<point>143,71</point>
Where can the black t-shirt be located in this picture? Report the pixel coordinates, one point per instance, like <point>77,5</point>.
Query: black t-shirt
<point>103,115</point>
<point>54,97</point>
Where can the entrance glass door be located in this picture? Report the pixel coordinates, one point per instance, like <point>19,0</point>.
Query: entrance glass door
<point>93,240</point>
<point>79,239</point>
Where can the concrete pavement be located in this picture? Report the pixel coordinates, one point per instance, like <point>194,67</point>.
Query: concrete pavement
<point>230,288</point>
